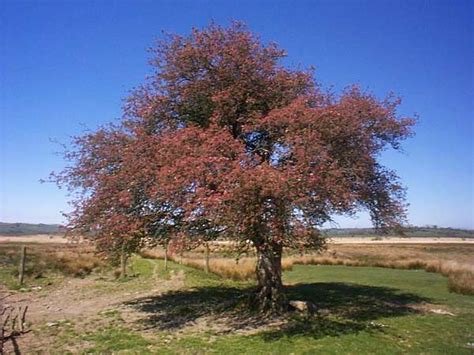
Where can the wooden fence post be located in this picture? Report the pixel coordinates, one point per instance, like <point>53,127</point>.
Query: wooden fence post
<point>207,257</point>
<point>166,255</point>
<point>22,265</point>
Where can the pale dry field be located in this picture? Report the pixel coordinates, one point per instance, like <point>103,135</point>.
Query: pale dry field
<point>35,238</point>
<point>57,239</point>
<point>399,240</point>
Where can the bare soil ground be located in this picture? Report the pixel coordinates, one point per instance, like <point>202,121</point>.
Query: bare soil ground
<point>78,302</point>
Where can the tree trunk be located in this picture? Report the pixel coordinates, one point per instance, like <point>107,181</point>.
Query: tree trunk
<point>21,273</point>
<point>123,263</point>
<point>270,294</point>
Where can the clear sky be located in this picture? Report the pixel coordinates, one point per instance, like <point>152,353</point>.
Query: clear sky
<point>66,65</point>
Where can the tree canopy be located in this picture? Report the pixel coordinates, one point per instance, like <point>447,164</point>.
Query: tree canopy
<point>225,141</point>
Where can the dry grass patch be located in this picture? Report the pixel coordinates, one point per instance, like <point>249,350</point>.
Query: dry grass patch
<point>227,267</point>
<point>68,259</point>
<point>75,263</point>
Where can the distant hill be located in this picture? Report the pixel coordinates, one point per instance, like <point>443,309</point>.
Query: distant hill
<point>28,228</point>
<point>416,232</point>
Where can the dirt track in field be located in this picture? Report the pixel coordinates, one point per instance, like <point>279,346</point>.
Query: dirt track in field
<point>79,302</point>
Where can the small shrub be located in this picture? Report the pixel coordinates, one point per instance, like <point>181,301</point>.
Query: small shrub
<point>461,282</point>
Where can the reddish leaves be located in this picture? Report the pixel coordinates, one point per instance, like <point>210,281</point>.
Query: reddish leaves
<point>223,140</point>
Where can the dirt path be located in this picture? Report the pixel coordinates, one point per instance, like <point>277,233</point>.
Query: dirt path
<point>79,302</point>
<point>76,298</point>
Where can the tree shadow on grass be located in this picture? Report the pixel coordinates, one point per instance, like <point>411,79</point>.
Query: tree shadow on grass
<point>356,302</point>
<point>342,308</point>
<point>345,308</point>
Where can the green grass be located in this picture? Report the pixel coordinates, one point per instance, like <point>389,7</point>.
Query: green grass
<point>403,332</point>
<point>366,310</point>
<point>113,339</point>
<point>370,312</point>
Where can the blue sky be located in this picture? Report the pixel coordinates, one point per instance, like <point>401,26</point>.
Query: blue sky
<point>66,65</point>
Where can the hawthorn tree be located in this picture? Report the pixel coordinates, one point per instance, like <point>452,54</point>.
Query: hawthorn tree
<point>223,141</point>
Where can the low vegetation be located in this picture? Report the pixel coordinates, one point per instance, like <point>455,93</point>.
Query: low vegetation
<point>227,267</point>
<point>413,232</point>
<point>451,260</point>
<point>47,259</point>
<point>366,309</point>
<point>460,276</point>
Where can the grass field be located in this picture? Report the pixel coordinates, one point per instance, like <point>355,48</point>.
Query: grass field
<point>455,261</point>
<point>360,310</point>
